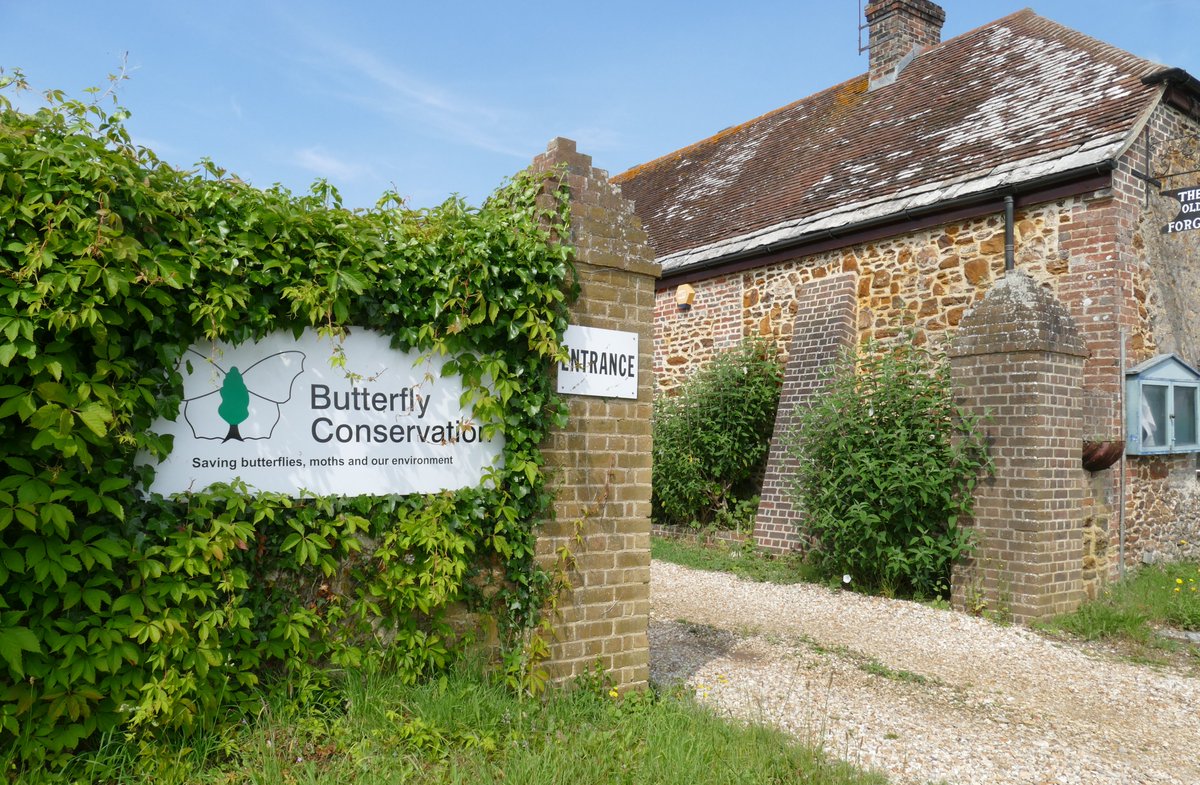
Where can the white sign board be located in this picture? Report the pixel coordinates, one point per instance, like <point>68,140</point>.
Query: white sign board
<point>278,416</point>
<point>602,363</point>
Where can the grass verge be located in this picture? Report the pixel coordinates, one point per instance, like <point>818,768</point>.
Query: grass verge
<point>744,560</point>
<point>463,728</point>
<point>1133,611</point>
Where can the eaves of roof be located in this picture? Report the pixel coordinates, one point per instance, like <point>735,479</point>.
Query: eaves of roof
<point>1088,180</point>
<point>938,201</point>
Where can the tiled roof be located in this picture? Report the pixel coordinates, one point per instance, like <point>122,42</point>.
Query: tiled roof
<point>1013,101</point>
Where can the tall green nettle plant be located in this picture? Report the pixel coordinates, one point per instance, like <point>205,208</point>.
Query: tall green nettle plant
<point>887,466</point>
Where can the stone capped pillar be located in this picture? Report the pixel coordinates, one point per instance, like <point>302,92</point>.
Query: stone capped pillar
<point>1018,362</point>
<point>599,465</point>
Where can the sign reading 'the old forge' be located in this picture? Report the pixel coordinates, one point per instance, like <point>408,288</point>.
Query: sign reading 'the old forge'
<point>278,416</point>
<point>1189,210</point>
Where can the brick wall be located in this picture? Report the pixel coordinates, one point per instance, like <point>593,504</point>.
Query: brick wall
<point>1018,359</point>
<point>824,327</point>
<point>599,464</point>
<point>897,27</point>
<point>1096,286</point>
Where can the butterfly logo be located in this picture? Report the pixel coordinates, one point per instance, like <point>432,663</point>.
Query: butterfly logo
<point>242,405</point>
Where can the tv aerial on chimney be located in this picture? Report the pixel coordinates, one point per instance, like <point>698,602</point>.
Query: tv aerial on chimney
<point>862,25</point>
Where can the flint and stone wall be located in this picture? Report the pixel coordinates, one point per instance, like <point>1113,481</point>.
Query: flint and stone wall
<point>599,464</point>
<point>922,283</point>
<point>1163,497</point>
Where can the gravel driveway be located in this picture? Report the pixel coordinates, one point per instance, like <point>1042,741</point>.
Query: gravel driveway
<point>924,695</point>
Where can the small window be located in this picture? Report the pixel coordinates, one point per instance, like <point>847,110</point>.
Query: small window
<point>1162,396</point>
<point>1154,416</point>
<point>1183,413</point>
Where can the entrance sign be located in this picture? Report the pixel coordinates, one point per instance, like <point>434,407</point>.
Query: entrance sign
<point>1189,210</point>
<point>278,416</point>
<point>601,363</point>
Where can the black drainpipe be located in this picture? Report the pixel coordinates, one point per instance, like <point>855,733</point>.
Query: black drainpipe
<point>1009,246</point>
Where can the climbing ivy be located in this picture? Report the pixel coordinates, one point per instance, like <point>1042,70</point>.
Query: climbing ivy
<point>122,610</point>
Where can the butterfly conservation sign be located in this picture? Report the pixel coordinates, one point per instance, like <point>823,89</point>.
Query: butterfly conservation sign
<point>279,416</point>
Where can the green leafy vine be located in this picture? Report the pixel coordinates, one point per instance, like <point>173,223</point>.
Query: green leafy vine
<point>125,611</point>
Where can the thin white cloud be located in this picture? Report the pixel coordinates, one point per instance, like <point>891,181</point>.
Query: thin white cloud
<point>392,78</point>
<point>328,166</point>
<point>371,81</point>
<point>406,97</point>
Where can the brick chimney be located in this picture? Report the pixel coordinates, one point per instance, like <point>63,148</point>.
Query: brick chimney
<point>899,31</point>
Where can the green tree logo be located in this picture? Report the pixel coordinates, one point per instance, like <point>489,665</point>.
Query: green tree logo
<point>235,403</point>
<point>223,405</point>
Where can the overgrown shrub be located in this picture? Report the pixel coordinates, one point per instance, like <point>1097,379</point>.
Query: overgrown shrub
<point>711,439</point>
<point>887,465</point>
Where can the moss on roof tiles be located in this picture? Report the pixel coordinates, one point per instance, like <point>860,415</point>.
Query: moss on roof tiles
<point>1019,87</point>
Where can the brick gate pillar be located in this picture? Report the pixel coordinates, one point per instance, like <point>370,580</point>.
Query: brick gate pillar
<point>599,464</point>
<point>1017,361</point>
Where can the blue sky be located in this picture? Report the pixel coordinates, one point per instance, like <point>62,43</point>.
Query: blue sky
<point>439,98</point>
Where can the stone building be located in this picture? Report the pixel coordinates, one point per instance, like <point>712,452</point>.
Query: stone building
<point>877,207</point>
